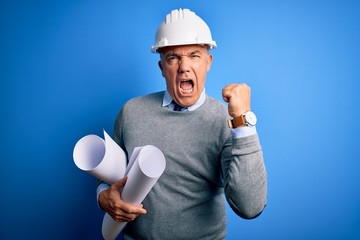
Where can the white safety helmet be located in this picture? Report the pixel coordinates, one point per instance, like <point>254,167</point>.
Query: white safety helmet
<point>182,27</point>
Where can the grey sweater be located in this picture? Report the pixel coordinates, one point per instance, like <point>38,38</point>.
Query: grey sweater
<point>202,162</point>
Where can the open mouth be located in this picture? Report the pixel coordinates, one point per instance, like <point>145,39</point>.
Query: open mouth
<point>186,86</point>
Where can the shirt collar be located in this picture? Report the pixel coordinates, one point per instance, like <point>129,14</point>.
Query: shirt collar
<point>168,99</point>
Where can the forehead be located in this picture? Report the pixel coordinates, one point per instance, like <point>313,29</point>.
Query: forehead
<point>183,49</point>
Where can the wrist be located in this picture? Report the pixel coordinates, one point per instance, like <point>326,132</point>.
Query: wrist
<point>248,118</point>
<point>100,191</point>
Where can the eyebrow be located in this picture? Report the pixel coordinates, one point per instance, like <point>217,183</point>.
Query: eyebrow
<point>172,53</point>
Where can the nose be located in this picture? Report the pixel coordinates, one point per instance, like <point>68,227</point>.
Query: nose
<point>184,64</point>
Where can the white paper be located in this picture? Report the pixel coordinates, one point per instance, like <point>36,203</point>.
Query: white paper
<point>132,159</point>
<point>103,159</point>
<point>143,173</point>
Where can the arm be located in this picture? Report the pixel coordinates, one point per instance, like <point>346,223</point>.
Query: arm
<point>242,160</point>
<point>245,176</point>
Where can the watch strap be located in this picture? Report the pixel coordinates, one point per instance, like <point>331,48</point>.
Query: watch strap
<point>237,122</point>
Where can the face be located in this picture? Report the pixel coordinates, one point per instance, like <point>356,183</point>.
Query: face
<point>184,69</point>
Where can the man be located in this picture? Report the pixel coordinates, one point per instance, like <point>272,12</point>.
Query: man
<point>204,157</point>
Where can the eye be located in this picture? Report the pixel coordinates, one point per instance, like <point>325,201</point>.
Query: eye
<point>172,59</point>
<point>195,56</point>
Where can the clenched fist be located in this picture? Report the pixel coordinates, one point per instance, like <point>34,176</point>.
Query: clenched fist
<point>238,97</point>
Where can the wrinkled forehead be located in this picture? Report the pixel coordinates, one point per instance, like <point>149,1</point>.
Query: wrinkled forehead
<point>183,50</point>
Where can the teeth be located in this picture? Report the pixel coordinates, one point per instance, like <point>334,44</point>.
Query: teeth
<point>188,91</point>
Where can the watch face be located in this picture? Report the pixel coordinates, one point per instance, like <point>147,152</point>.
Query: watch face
<point>250,118</point>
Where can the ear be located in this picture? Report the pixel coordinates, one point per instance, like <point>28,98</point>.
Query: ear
<point>161,67</point>
<point>209,61</point>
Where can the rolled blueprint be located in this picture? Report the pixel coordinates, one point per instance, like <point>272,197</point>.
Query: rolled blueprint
<point>103,159</point>
<point>145,167</point>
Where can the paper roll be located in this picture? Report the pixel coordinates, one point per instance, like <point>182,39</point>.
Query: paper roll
<point>144,172</point>
<point>103,159</point>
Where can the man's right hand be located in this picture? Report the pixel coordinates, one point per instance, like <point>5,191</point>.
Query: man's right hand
<point>110,201</point>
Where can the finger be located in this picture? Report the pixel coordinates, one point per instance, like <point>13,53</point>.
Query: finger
<point>120,183</point>
<point>132,209</point>
<point>122,214</point>
<point>225,98</point>
<point>124,217</point>
<point>226,93</point>
<point>121,218</point>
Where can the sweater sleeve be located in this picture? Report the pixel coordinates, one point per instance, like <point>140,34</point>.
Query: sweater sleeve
<point>245,176</point>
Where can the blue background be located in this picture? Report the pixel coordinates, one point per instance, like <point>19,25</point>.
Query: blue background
<point>68,66</point>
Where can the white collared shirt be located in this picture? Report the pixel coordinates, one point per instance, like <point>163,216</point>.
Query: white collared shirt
<point>167,101</point>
